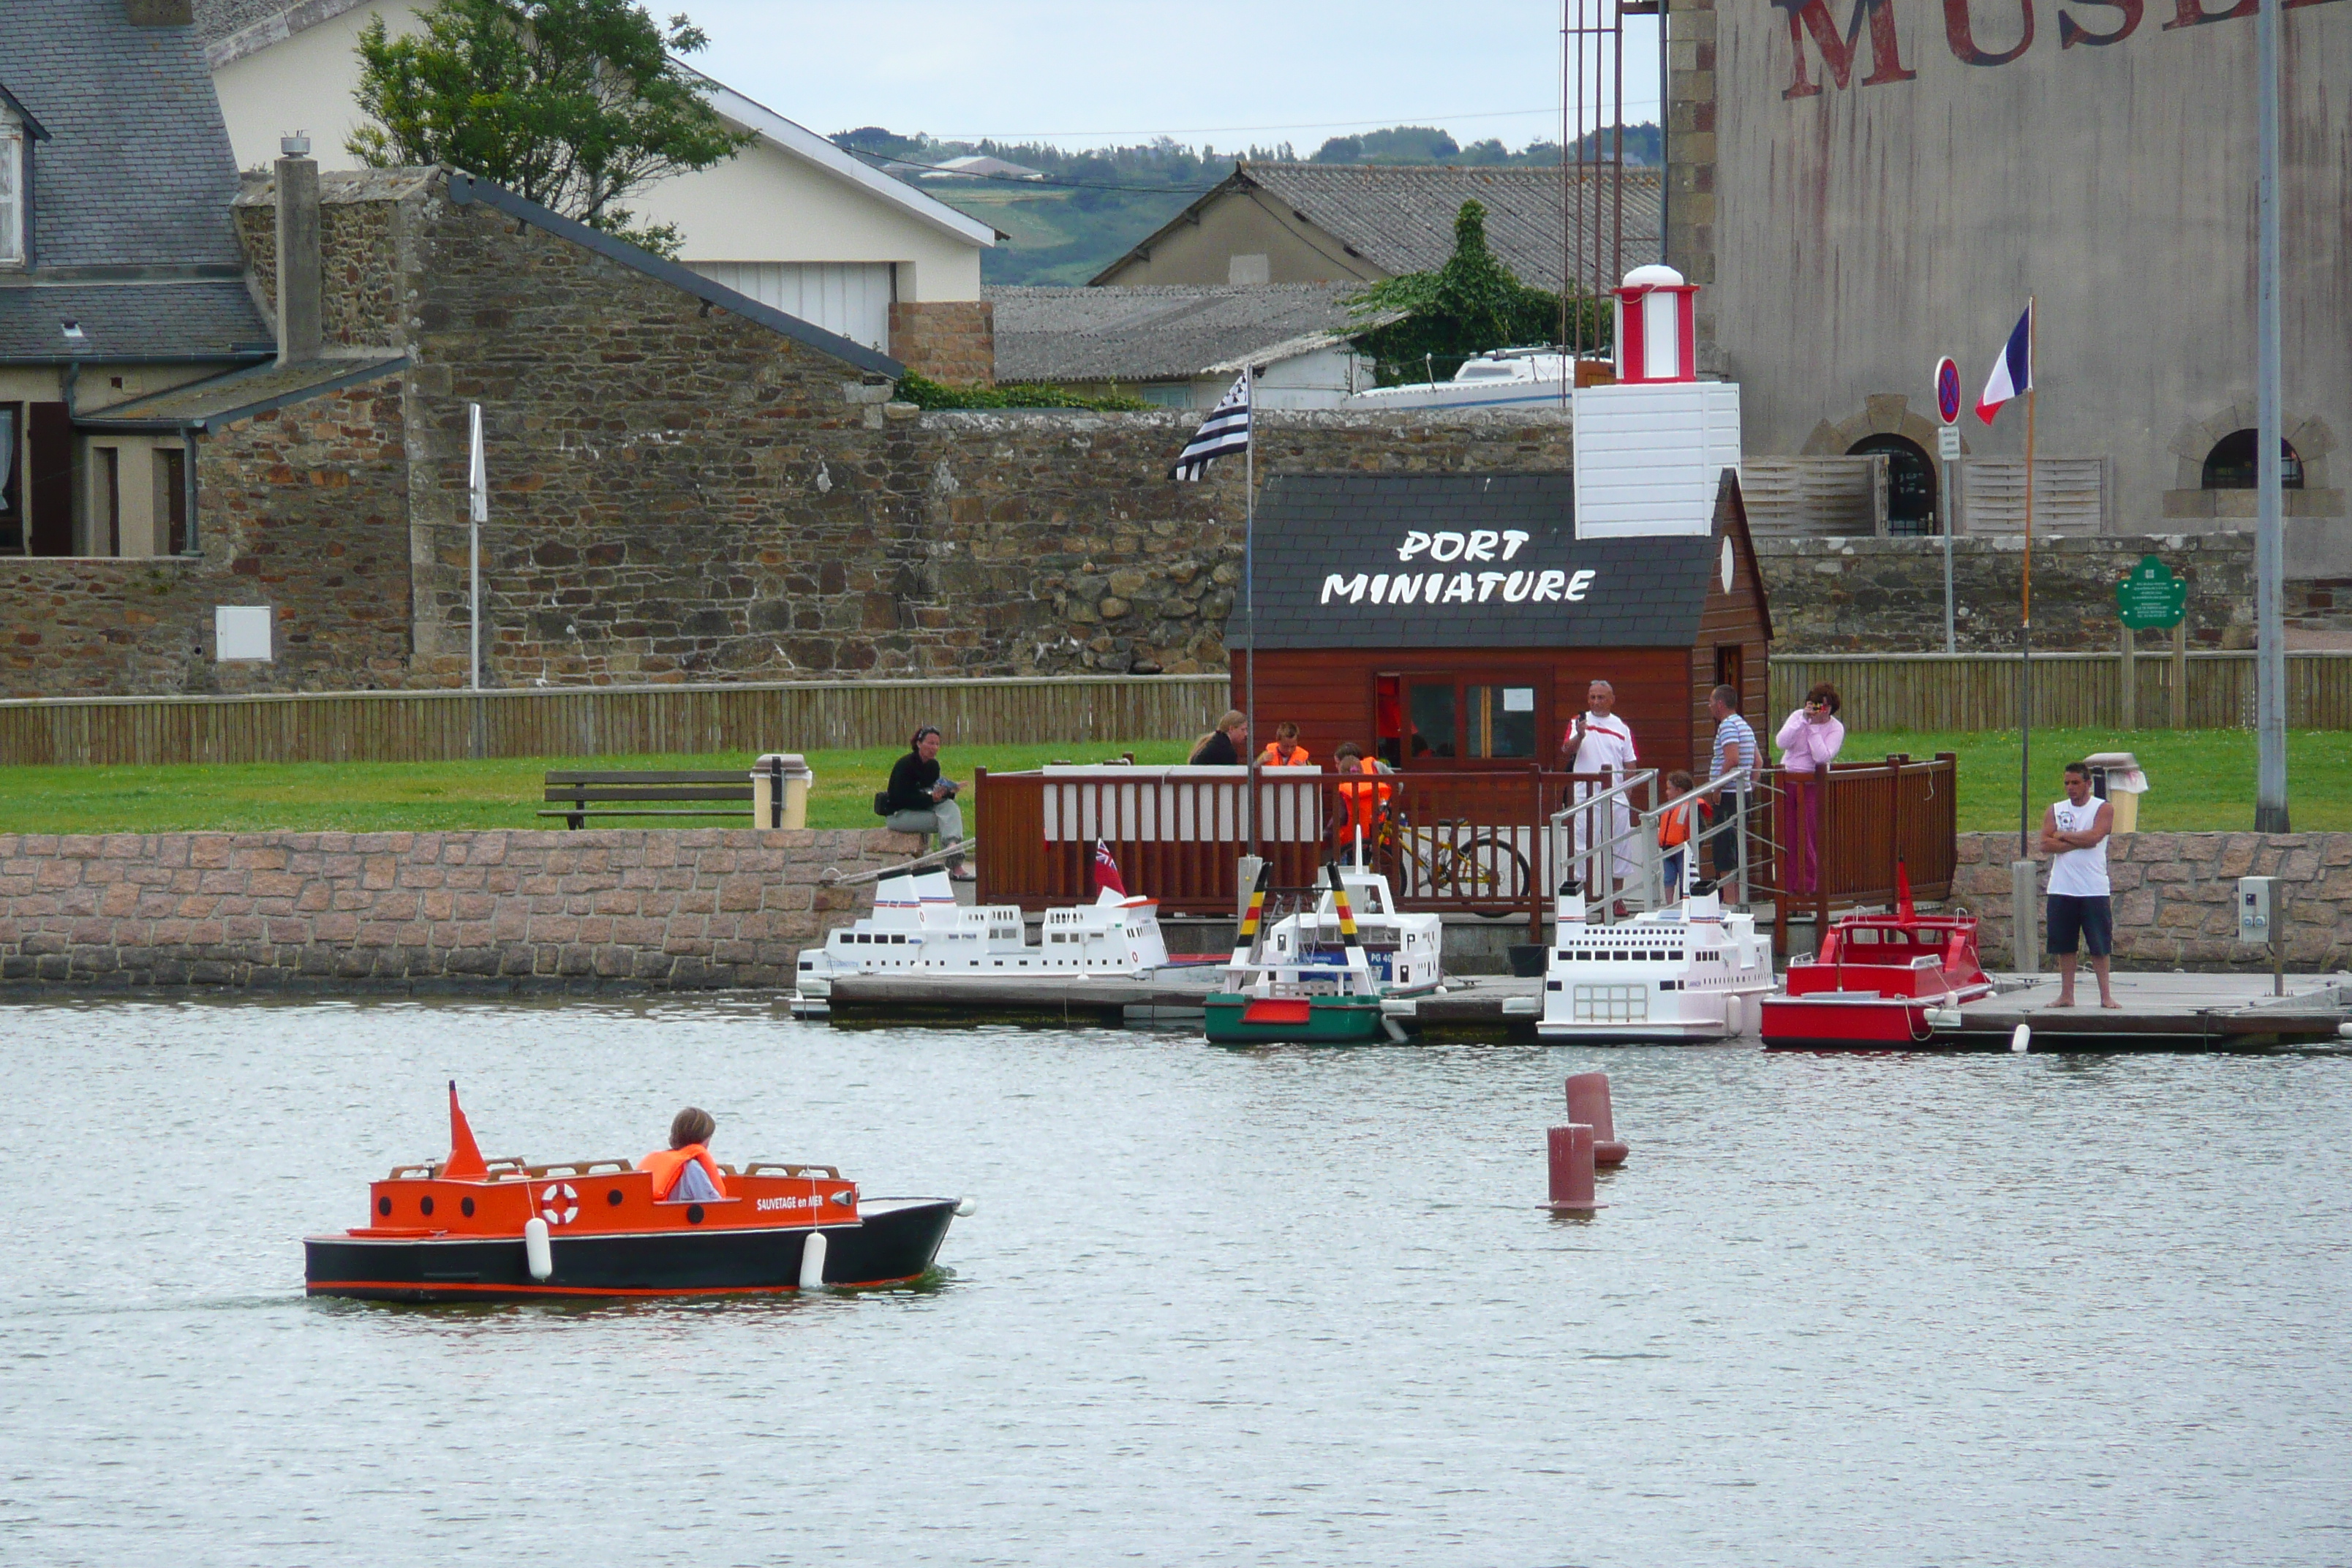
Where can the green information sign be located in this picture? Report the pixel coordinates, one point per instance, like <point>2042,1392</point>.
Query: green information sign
<point>2151,595</point>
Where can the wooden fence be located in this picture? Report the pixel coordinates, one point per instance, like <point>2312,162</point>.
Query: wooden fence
<point>588,721</point>
<point>1946,692</point>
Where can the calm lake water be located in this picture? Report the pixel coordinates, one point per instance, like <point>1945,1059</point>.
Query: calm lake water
<point>1279,1307</point>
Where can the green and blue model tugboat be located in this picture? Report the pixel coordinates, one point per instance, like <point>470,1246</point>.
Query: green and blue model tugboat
<point>1318,977</point>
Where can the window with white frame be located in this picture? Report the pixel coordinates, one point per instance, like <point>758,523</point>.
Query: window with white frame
<point>11,190</point>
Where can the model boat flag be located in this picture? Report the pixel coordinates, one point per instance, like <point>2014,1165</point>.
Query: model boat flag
<point>1107,876</point>
<point>1226,430</point>
<point>465,1162</point>
<point>2012,372</point>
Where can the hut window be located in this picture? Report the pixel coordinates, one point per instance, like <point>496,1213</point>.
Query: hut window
<point>2232,464</point>
<point>1502,721</point>
<point>1430,714</point>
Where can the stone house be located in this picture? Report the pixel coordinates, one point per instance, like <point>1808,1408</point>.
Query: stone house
<point>792,220</point>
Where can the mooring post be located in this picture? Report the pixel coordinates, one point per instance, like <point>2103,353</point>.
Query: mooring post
<point>2025,954</point>
<point>1571,1149</point>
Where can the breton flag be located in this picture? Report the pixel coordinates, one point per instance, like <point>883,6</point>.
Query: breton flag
<point>1226,430</point>
<point>2012,372</point>
<point>1107,876</point>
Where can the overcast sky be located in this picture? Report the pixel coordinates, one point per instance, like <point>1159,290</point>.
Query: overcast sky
<point>1091,72</point>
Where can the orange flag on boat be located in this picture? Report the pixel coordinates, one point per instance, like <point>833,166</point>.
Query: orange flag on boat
<point>465,1162</point>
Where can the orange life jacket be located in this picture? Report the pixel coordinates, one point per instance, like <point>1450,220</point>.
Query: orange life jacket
<point>1365,801</point>
<point>1674,826</point>
<point>1274,756</point>
<point>666,1164</point>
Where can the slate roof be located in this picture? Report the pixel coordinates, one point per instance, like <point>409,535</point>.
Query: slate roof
<point>1400,218</point>
<point>1644,593</point>
<point>216,402</point>
<point>137,170</point>
<point>201,318</point>
<point>1161,331</point>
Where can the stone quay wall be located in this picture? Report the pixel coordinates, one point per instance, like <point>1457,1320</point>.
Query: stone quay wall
<point>2175,897</point>
<point>512,910</point>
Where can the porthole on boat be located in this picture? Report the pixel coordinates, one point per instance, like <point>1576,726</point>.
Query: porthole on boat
<point>425,1205</point>
<point>614,1197</point>
<point>467,1208</point>
<point>383,1207</point>
<point>694,1213</point>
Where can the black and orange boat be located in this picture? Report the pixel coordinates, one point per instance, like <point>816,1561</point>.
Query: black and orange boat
<point>471,1229</point>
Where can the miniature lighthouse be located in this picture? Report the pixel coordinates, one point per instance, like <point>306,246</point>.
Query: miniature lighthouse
<point>1655,340</point>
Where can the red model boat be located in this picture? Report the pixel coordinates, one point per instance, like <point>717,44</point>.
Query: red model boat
<point>1875,980</point>
<point>471,1229</point>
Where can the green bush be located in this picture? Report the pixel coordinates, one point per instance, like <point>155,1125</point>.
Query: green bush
<point>924,393</point>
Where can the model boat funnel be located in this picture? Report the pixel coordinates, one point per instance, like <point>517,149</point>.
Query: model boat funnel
<point>464,1162</point>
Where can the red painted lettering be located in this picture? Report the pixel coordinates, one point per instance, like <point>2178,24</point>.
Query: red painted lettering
<point>2071,32</point>
<point>1960,33</point>
<point>1837,53</point>
<point>2192,13</point>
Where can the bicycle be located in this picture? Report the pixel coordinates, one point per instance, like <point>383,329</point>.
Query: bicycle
<point>1438,862</point>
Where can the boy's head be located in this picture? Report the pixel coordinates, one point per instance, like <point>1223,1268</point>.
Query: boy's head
<point>1287,733</point>
<point>1679,782</point>
<point>1350,754</point>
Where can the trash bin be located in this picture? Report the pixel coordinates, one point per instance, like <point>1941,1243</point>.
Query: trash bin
<point>780,781</point>
<point>2116,778</point>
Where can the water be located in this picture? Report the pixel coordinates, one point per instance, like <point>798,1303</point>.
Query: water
<point>1283,1307</point>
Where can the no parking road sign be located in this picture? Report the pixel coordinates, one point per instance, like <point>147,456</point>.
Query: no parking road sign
<point>1948,408</point>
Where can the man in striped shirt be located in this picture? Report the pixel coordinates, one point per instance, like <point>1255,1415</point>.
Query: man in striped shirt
<point>1735,747</point>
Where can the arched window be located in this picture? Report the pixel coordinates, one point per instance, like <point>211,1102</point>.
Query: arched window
<point>1910,481</point>
<point>2230,465</point>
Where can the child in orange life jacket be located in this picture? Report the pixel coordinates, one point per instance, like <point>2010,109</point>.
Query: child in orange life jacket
<point>1676,824</point>
<point>684,1172</point>
<point>1283,751</point>
<point>1362,803</point>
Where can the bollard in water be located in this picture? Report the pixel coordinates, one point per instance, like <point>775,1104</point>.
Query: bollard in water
<point>1572,1169</point>
<point>1588,1101</point>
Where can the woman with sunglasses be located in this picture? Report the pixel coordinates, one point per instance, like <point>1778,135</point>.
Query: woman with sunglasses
<point>1809,742</point>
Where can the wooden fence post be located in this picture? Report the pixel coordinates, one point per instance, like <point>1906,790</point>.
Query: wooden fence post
<point>2180,673</point>
<point>2128,690</point>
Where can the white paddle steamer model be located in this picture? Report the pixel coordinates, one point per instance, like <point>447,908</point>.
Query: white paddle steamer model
<point>917,928</point>
<point>1690,971</point>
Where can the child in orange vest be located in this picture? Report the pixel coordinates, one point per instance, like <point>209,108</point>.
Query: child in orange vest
<point>1674,828</point>
<point>1283,751</point>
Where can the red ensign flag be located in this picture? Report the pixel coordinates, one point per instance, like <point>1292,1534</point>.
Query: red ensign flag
<point>1107,876</point>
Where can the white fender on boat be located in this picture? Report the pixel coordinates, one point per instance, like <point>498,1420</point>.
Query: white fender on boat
<point>967,1208</point>
<point>1731,1015</point>
<point>2021,1039</point>
<point>537,1250</point>
<point>812,1262</point>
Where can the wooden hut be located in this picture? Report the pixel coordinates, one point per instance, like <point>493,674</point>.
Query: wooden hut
<point>1455,621</point>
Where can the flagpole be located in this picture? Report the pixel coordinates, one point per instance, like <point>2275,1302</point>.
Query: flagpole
<point>2025,620</point>
<point>1249,577</point>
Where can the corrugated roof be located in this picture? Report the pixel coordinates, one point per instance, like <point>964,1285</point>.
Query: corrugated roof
<point>137,170</point>
<point>1161,331</point>
<point>202,317</point>
<point>1400,218</point>
<point>247,392</point>
<point>1318,534</point>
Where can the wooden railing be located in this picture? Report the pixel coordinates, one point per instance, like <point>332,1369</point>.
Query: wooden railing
<point>1944,693</point>
<point>1455,843</point>
<point>608,721</point>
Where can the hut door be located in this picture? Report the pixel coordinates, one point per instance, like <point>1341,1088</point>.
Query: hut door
<point>1730,665</point>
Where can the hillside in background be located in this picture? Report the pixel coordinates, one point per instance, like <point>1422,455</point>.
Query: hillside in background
<point>1094,205</point>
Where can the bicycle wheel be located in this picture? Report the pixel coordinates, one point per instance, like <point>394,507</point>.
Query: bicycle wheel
<point>1487,868</point>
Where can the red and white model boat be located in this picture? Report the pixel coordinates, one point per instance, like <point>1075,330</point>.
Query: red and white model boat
<point>1876,981</point>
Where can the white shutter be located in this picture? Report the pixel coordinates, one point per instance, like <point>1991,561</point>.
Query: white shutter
<point>851,298</point>
<point>1814,498</point>
<point>12,196</point>
<point>2069,495</point>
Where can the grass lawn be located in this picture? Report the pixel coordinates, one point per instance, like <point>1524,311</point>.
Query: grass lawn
<point>2196,781</point>
<point>376,797</point>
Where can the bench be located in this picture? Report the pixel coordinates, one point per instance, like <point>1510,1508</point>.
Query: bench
<point>580,795</point>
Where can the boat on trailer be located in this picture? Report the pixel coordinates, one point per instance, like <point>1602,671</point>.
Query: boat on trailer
<point>917,928</point>
<point>471,1229</point>
<point>1689,971</point>
<point>1881,981</point>
<point>1320,975</point>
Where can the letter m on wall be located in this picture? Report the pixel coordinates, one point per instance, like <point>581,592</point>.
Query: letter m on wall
<point>1812,17</point>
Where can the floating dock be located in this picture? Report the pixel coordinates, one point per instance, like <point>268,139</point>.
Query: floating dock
<point>2159,1012</point>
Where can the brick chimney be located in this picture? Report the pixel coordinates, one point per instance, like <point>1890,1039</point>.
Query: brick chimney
<point>160,13</point>
<point>298,252</point>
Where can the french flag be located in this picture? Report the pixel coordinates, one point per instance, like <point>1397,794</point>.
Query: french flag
<point>2012,372</point>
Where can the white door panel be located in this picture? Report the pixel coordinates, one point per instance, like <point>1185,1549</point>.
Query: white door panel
<point>851,298</point>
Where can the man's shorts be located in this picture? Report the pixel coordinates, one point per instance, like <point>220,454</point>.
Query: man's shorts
<point>2090,920</point>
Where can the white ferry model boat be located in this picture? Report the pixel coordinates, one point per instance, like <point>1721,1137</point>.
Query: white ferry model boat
<point>917,928</point>
<point>1687,972</point>
<point>1321,975</point>
<point>1503,379</point>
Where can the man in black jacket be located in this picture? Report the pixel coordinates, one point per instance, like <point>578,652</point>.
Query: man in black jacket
<point>922,802</point>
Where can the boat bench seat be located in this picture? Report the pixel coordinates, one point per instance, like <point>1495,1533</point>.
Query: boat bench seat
<point>578,796</point>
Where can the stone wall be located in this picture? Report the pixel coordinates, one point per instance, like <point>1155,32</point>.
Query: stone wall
<point>1886,595</point>
<point>646,909</point>
<point>2175,897</point>
<point>950,341</point>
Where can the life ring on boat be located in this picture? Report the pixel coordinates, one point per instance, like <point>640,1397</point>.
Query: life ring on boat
<point>553,1213</point>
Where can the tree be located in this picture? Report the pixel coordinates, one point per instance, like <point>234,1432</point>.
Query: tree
<point>572,104</point>
<point>1469,306</point>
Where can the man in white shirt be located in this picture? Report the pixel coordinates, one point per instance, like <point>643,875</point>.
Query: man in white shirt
<point>1598,742</point>
<point>2074,834</point>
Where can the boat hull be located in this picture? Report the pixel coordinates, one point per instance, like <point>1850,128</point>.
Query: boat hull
<point>1236,1018</point>
<point>1876,1024</point>
<point>892,1242</point>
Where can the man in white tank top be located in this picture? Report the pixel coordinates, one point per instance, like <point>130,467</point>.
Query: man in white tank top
<point>2075,835</point>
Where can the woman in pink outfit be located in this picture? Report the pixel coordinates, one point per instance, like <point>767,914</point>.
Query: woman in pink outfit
<point>1809,743</point>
